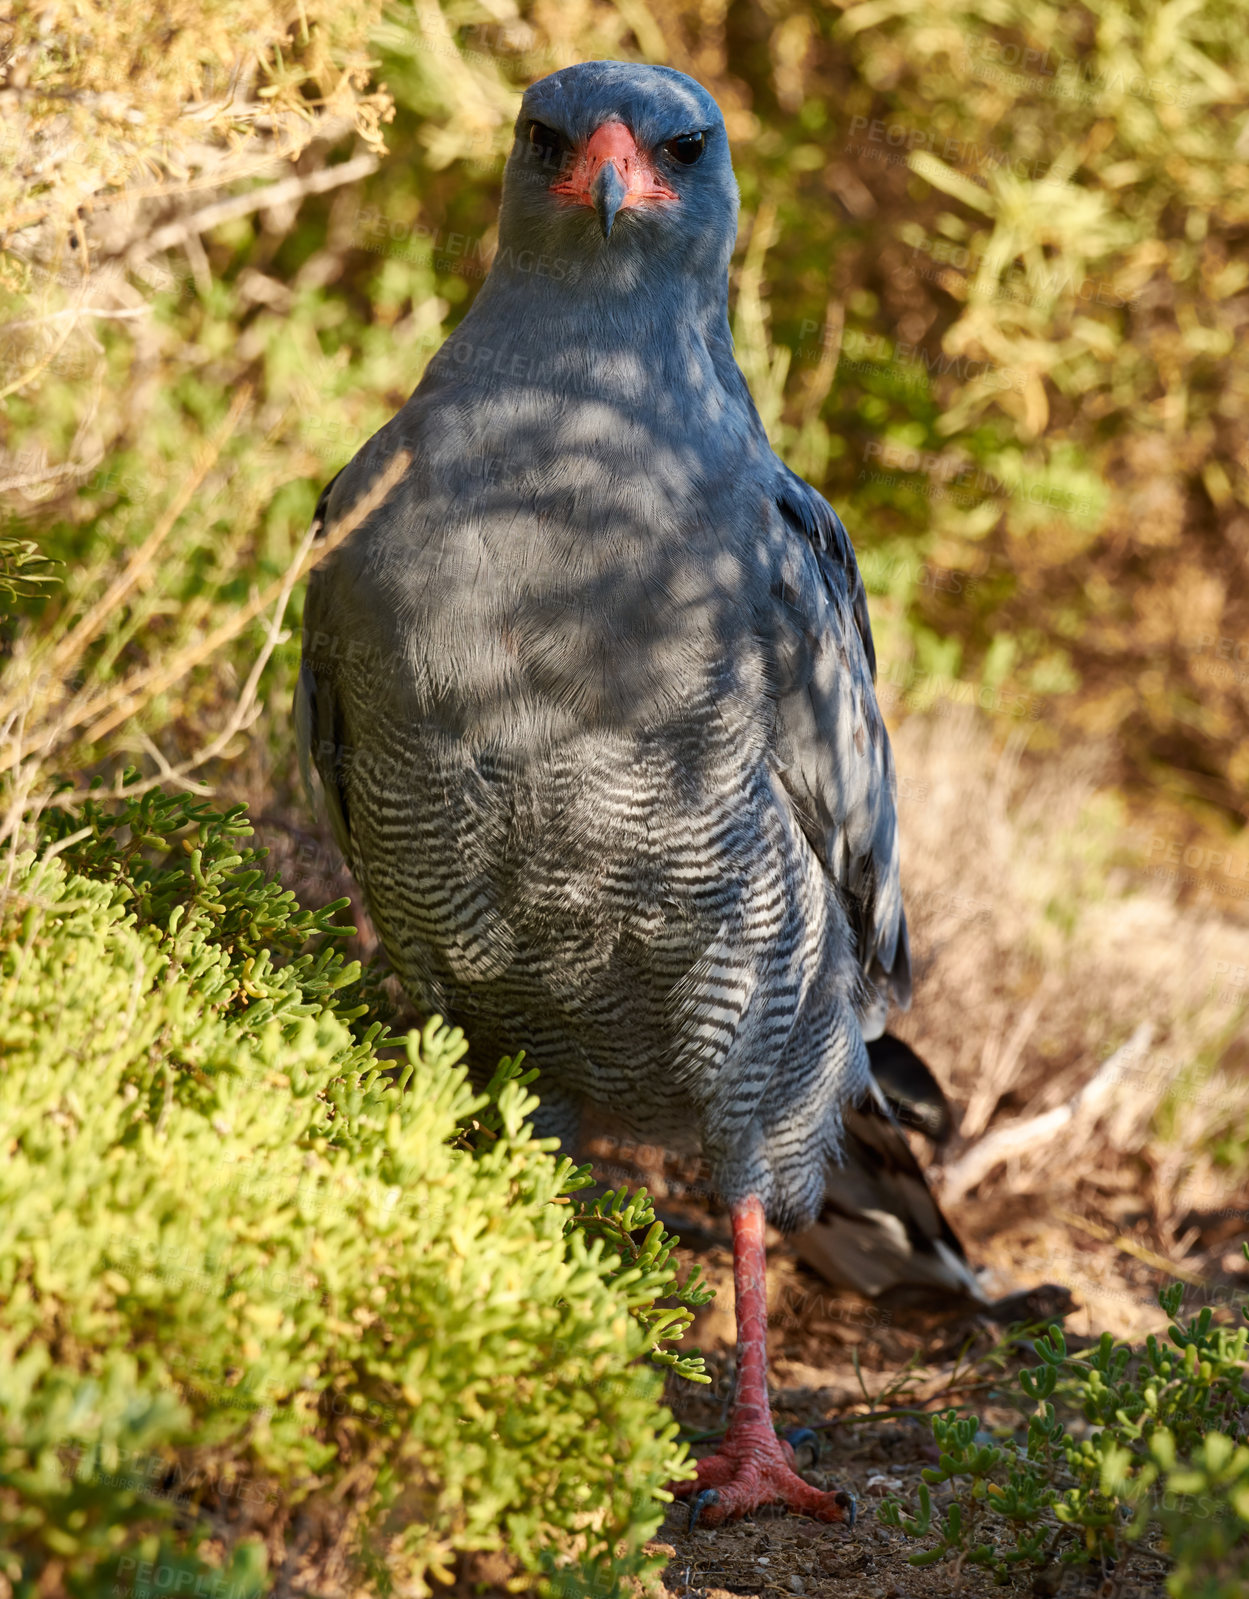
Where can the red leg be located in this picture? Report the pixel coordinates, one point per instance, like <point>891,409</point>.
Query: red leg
<point>753,1466</point>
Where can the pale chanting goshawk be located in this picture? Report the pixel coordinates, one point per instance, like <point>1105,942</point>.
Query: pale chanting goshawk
<point>591,695</point>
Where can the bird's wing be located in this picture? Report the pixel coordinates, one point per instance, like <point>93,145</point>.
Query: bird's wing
<point>319,733</point>
<point>833,751</point>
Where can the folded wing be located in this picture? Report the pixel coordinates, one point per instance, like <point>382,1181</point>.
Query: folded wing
<point>832,747</point>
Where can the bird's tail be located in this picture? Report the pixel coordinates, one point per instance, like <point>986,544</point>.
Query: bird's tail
<point>880,1229</point>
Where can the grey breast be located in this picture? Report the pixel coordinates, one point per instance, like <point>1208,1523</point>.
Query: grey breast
<point>556,759</point>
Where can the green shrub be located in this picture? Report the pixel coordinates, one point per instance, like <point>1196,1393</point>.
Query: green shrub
<point>251,1270</point>
<point>1156,1450</point>
<point>990,305</point>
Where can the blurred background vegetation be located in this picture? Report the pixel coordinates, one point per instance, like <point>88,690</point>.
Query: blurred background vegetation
<point>992,294</point>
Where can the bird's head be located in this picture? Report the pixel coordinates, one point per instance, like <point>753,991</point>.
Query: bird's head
<point>620,164</point>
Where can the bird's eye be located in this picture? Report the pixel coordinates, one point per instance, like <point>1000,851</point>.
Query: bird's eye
<point>546,143</point>
<point>686,147</point>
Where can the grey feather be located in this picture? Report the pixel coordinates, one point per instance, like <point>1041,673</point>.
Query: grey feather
<point>835,751</point>
<point>317,725</point>
<point>591,695</point>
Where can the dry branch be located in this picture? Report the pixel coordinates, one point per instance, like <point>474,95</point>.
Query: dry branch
<point>1030,1134</point>
<point>130,696</point>
<point>23,801</point>
<point>241,205</point>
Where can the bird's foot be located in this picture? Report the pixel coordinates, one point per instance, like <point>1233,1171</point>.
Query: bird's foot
<point>755,1467</point>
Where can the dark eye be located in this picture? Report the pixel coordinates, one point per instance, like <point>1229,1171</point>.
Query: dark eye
<point>546,143</point>
<point>686,147</point>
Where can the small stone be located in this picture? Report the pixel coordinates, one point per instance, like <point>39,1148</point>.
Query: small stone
<point>796,1584</point>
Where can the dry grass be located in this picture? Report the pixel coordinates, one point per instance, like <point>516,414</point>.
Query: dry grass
<point>119,128</point>
<point>107,105</point>
<point>1042,945</point>
<point>42,718</point>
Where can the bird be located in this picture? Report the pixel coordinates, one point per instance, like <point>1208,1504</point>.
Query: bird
<point>590,690</point>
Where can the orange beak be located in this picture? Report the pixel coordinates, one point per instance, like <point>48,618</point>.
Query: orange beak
<point>611,174</point>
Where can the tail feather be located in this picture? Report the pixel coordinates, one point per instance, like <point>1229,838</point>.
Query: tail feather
<point>914,1094</point>
<point>880,1228</point>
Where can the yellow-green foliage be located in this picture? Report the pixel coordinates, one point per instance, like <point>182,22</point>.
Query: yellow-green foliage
<point>246,1265</point>
<point>1160,1454</point>
<point>1083,249</point>
<point>110,104</point>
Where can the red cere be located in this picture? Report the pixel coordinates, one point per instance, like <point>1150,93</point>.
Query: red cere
<point>613,142</point>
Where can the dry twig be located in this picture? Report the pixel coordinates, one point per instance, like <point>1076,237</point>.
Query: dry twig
<point>1032,1134</point>
<point>154,682</point>
<point>285,192</point>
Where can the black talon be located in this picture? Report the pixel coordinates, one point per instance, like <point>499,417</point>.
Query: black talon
<point>707,1496</point>
<point>803,1438</point>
